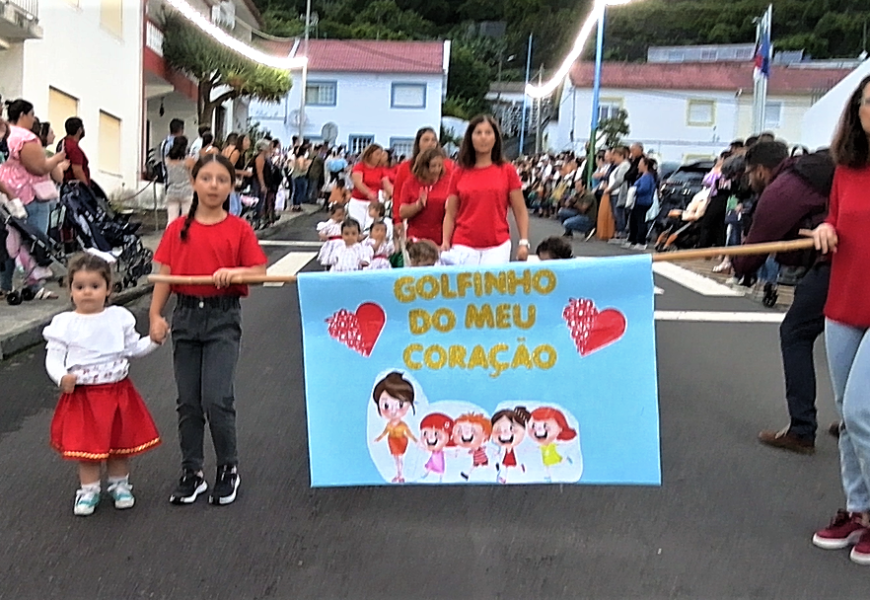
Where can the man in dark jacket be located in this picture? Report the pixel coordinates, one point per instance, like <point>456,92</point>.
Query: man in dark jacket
<point>794,196</point>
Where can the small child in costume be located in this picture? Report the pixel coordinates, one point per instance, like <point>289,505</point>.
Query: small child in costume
<point>330,233</point>
<point>378,214</point>
<point>381,247</point>
<point>100,417</point>
<point>422,253</point>
<point>352,256</point>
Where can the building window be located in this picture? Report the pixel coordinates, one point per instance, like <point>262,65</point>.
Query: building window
<point>609,109</point>
<point>773,115</point>
<point>110,144</point>
<point>402,146</point>
<point>112,16</point>
<point>61,107</point>
<point>701,113</point>
<point>358,143</point>
<point>321,93</point>
<point>408,95</point>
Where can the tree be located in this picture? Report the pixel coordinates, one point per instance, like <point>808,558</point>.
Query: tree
<point>614,129</point>
<point>469,80</point>
<point>189,50</point>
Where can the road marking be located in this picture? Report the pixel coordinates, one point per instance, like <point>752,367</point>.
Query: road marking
<point>290,264</point>
<point>697,283</point>
<point>291,243</point>
<point>701,316</point>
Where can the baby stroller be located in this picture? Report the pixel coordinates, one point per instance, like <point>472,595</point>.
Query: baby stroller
<point>86,213</point>
<point>678,233</point>
<point>32,249</point>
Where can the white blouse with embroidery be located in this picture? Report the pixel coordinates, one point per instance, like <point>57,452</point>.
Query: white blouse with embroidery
<point>95,348</point>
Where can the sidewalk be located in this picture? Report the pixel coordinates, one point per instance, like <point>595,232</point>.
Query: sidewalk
<point>21,326</point>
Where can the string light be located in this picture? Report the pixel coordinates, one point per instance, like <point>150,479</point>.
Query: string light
<point>548,87</point>
<point>288,63</point>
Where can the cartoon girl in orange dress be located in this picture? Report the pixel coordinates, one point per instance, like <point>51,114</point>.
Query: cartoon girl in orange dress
<point>394,396</point>
<point>548,426</point>
<point>508,431</point>
<point>436,430</point>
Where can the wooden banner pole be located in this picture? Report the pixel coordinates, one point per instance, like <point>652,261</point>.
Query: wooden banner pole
<point>771,248</point>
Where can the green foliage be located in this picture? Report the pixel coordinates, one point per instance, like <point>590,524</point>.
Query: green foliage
<point>615,129</point>
<point>190,51</point>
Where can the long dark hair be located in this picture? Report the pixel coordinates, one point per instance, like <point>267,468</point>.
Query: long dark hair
<point>467,154</point>
<point>204,160</point>
<point>420,133</point>
<point>179,148</point>
<point>17,108</point>
<point>851,147</point>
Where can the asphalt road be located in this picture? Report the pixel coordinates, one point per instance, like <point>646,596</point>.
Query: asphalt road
<point>731,520</point>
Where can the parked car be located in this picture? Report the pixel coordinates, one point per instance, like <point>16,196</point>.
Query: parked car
<point>678,188</point>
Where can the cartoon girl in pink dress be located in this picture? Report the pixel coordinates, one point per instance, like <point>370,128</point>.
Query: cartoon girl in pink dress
<point>436,432</point>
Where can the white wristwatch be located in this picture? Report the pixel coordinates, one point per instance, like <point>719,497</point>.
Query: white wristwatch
<point>525,243</point>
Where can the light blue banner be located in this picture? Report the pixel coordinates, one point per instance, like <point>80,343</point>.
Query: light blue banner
<point>526,373</point>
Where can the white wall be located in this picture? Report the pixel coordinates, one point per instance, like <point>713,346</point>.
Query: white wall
<point>80,58</point>
<point>363,107</point>
<point>656,118</point>
<point>820,122</point>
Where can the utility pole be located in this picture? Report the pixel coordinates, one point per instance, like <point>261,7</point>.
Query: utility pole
<point>525,96</point>
<point>596,97</point>
<point>304,75</point>
<point>539,142</point>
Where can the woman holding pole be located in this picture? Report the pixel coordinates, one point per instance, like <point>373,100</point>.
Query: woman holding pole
<point>846,235</point>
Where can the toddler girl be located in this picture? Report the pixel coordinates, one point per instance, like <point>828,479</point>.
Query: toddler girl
<point>100,417</point>
<point>330,232</point>
<point>352,256</point>
<point>378,213</point>
<point>381,248</point>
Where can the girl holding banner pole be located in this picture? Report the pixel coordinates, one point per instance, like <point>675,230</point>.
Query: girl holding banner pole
<point>482,189</point>
<point>846,235</point>
<point>206,324</point>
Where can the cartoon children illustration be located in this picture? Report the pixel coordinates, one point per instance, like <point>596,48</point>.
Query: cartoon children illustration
<point>436,432</point>
<point>508,431</point>
<point>548,426</point>
<point>394,396</point>
<point>471,431</point>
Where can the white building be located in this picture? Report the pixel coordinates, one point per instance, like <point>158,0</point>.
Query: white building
<point>360,92</point>
<point>80,58</point>
<point>688,111</point>
<point>820,122</point>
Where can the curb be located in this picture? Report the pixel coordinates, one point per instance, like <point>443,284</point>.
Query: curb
<point>30,334</point>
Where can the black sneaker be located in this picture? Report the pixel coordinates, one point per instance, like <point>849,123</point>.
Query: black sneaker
<point>189,487</point>
<point>226,485</point>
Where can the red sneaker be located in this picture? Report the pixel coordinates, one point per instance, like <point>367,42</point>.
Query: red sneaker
<point>861,552</point>
<point>846,529</point>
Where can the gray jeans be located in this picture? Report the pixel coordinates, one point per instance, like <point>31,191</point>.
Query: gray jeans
<point>205,338</point>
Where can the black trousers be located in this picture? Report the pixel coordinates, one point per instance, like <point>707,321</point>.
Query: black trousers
<point>803,324</point>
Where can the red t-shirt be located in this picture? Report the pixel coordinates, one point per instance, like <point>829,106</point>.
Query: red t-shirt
<point>403,174</point>
<point>428,224</point>
<point>75,156</point>
<point>229,244</point>
<point>372,177</point>
<point>849,292</point>
<point>484,198</point>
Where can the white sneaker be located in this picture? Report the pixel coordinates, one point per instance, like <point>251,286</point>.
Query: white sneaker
<point>122,494</point>
<point>86,502</point>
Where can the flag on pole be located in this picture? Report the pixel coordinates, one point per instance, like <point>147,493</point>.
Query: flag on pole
<point>763,47</point>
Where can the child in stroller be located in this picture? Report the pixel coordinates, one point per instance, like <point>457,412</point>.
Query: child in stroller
<point>30,249</point>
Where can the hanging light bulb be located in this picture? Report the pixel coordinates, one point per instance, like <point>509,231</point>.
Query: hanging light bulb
<point>162,110</point>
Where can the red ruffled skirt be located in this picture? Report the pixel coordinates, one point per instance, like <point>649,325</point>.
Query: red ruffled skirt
<point>97,422</point>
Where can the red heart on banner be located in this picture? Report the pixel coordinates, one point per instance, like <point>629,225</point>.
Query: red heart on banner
<point>358,330</point>
<point>590,328</point>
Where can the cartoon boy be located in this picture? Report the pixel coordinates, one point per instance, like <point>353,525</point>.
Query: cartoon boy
<point>471,431</point>
<point>436,432</point>
<point>508,431</point>
<point>394,397</point>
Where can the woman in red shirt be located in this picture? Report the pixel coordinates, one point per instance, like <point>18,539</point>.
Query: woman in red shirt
<point>846,235</point>
<point>426,139</point>
<point>482,189</point>
<point>369,178</point>
<point>424,196</point>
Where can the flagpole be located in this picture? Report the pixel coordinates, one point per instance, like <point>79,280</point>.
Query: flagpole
<point>762,72</point>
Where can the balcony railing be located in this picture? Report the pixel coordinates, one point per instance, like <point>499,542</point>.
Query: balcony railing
<point>30,7</point>
<point>19,20</point>
<point>153,38</point>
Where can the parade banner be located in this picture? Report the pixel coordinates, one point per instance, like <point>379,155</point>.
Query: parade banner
<point>517,374</point>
